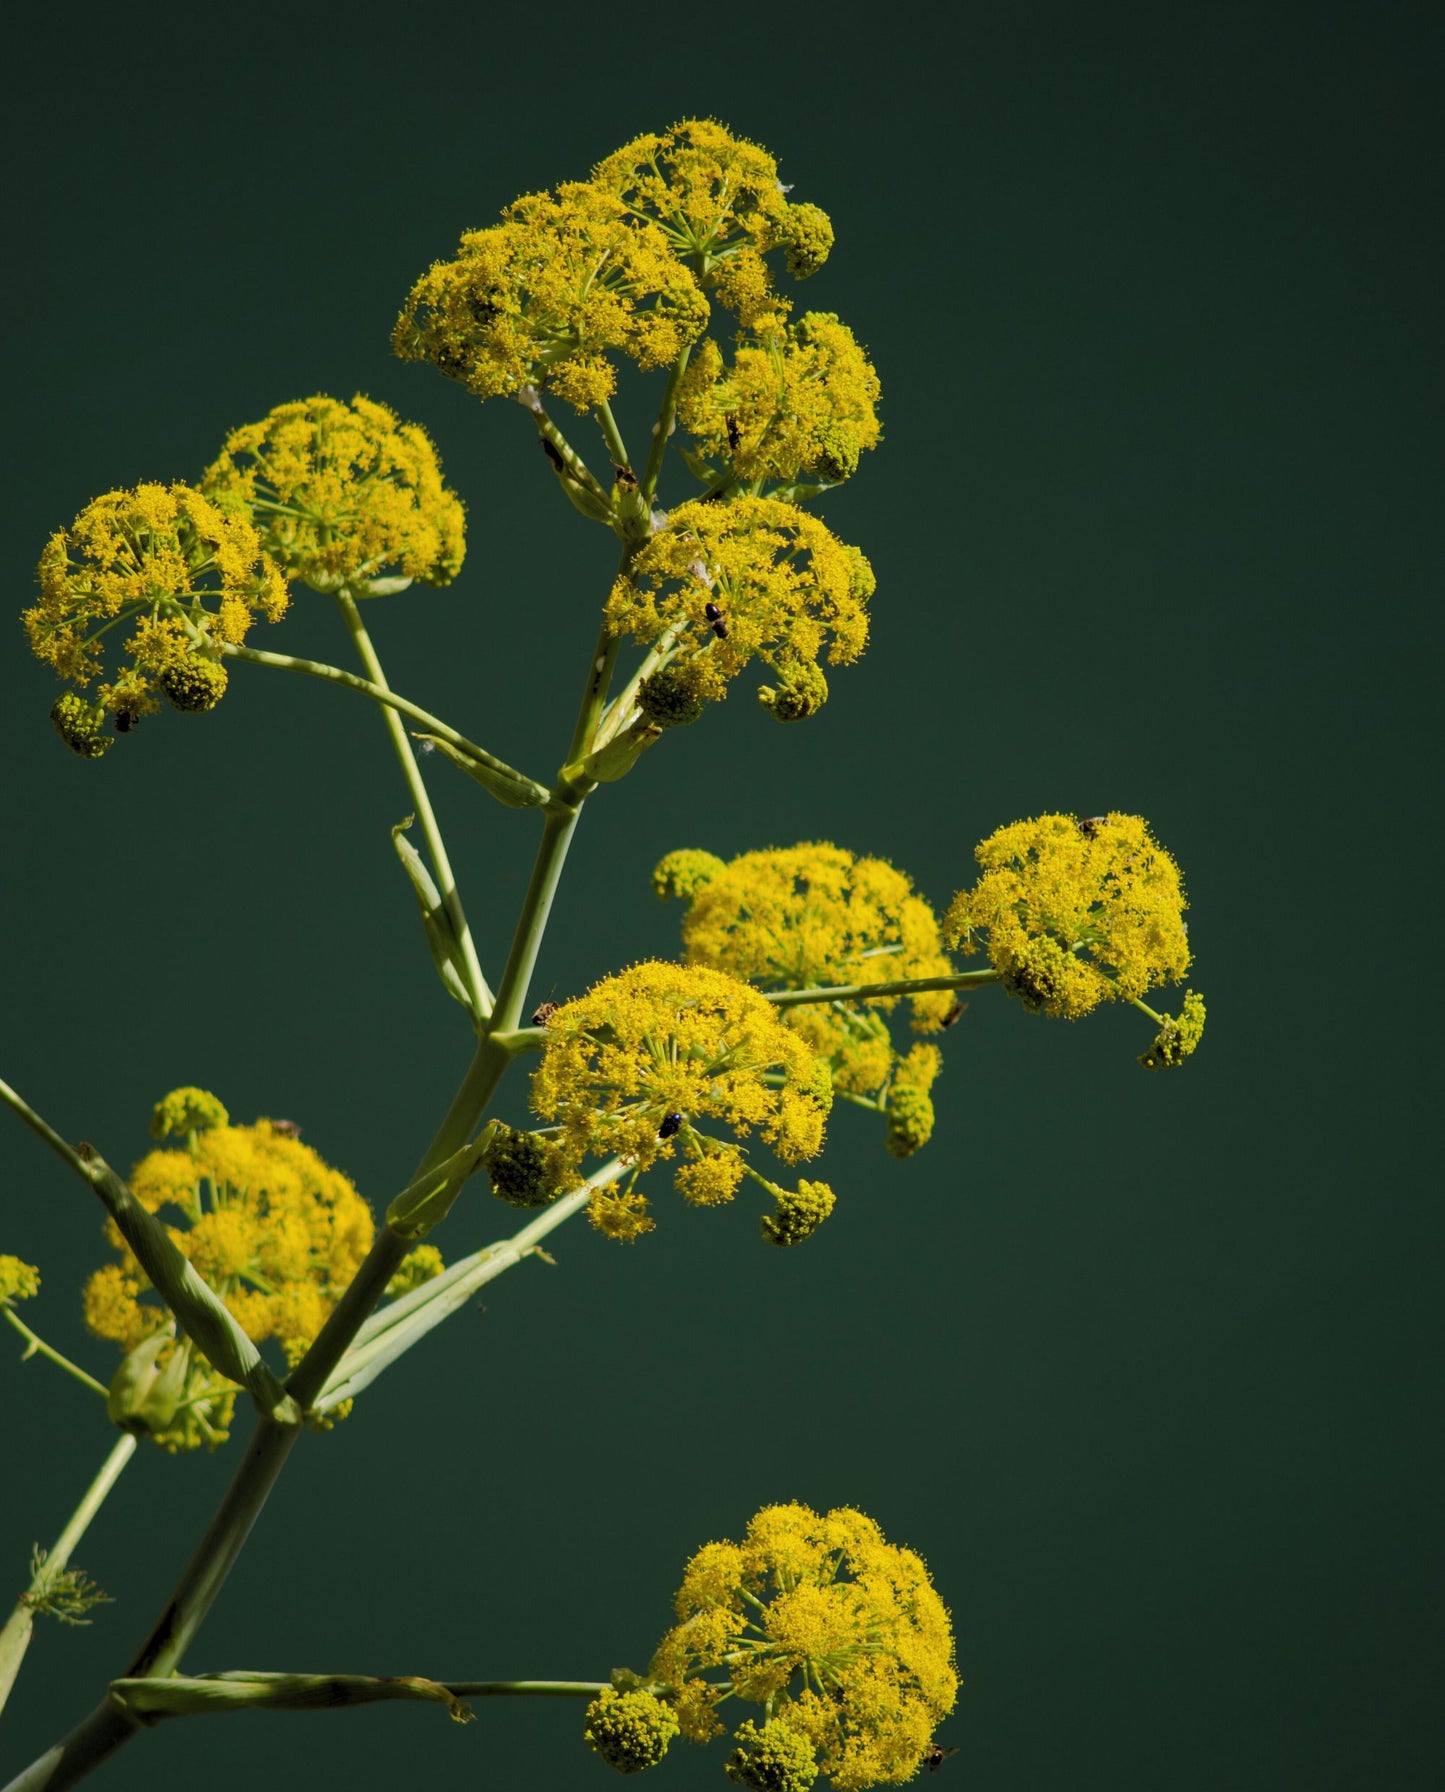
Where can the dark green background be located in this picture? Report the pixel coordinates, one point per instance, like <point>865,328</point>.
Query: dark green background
<point>1141,1364</point>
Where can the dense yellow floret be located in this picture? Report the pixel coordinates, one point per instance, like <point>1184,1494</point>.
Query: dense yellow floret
<point>718,200</point>
<point>1178,1037</point>
<point>725,583</point>
<point>816,916</point>
<point>343,494</point>
<point>641,1063</point>
<point>797,399</point>
<point>1073,913</point>
<point>189,576</point>
<point>838,1632</point>
<point>548,295</point>
<point>18,1280</point>
<point>630,1730</point>
<point>273,1229</point>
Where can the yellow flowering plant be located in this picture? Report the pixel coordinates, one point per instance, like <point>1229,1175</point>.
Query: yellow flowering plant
<point>243,1268</point>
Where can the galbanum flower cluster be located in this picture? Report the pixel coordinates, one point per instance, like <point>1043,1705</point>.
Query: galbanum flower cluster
<point>247,1268</point>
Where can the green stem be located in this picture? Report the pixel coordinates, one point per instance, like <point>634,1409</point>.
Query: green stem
<point>573,465</point>
<point>476,983</point>
<point>1144,1008</point>
<point>857,992</point>
<point>535,1689</point>
<point>379,693</point>
<point>248,1690</point>
<point>15,1634</point>
<point>612,435</point>
<point>38,1347</point>
<point>662,429</point>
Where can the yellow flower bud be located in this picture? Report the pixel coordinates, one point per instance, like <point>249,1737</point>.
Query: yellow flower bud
<point>630,1730</point>
<point>18,1280</point>
<point>1177,1039</point>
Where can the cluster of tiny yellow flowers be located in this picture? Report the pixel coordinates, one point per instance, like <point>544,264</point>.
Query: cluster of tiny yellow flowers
<point>816,916</point>
<point>343,494</point>
<point>544,297</point>
<point>273,1229</point>
<point>719,203</point>
<point>637,1066</point>
<point>836,1633</point>
<point>1178,1037</point>
<point>417,1267</point>
<point>797,399</point>
<point>189,577</point>
<point>1074,913</point>
<point>756,578</point>
<point>18,1280</point>
<point>624,263</point>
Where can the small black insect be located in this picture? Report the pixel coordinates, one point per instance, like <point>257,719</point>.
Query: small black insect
<point>670,1124</point>
<point>1091,824</point>
<point>955,1013</point>
<point>936,1756</point>
<point>734,438</point>
<point>553,454</point>
<point>717,619</point>
<point>543,1013</point>
<point>625,477</point>
<point>125,720</point>
<point>288,1129</point>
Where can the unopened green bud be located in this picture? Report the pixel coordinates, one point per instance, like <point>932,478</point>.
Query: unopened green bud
<point>186,1110</point>
<point>801,691</point>
<point>775,1758</point>
<point>672,697</point>
<point>79,724</point>
<point>522,1168</point>
<point>194,684</point>
<point>797,1215</point>
<point>910,1120</point>
<point>1176,1039</point>
<point>630,1730</point>
<point>684,872</point>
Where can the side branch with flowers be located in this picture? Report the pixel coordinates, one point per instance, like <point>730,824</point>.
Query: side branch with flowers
<point>230,1240</point>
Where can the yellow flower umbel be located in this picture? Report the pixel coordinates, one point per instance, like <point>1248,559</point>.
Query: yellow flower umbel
<point>189,577</point>
<point>1073,913</point>
<point>797,400</point>
<point>719,203</point>
<point>636,1068</point>
<point>814,916</point>
<point>344,494</point>
<point>725,583</point>
<point>837,1634</point>
<point>273,1229</point>
<point>544,298</point>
